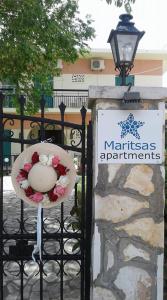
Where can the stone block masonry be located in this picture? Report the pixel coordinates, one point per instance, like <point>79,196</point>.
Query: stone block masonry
<point>128,233</point>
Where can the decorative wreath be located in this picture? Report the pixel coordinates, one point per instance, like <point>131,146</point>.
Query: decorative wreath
<point>45,176</point>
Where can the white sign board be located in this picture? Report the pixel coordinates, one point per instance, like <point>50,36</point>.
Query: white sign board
<point>130,137</point>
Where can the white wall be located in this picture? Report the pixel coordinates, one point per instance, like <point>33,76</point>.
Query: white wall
<point>65,81</point>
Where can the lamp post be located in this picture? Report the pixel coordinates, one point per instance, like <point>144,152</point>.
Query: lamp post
<point>6,161</point>
<point>124,42</point>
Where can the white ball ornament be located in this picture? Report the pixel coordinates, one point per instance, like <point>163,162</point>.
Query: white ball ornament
<point>42,178</point>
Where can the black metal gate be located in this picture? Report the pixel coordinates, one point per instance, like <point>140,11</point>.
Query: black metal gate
<point>64,273</point>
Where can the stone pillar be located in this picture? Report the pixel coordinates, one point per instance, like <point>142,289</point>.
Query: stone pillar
<point>128,234</point>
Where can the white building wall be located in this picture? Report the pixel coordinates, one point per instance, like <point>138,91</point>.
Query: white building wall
<point>150,81</point>
<point>164,73</point>
<point>65,81</point>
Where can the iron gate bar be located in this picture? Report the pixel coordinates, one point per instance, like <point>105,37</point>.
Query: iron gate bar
<point>62,108</point>
<point>22,102</point>
<point>88,219</point>
<point>23,235</point>
<point>1,198</point>
<point>83,114</point>
<point>32,236</point>
<point>46,257</point>
<point>30,142</point>
<point>42,138</point>
<point>40,119</point>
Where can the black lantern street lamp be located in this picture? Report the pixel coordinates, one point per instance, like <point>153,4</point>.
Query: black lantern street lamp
<point>124,41</point>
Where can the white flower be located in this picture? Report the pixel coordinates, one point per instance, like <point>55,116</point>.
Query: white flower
<point>45,200</point>
<point>45,197</point>
<point>24,184</point>
<point>50,157</point>
<point>43,159</point>
<point>63,181</point>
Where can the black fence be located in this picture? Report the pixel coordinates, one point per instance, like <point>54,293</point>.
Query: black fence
<point>66,229</point>
<point>71,98</point>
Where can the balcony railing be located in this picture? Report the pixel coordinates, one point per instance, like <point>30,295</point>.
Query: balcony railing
<point>71,98</point>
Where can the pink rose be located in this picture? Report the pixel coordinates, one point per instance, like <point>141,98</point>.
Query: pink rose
<point>27,167</point>
<point>59,190</point>
<point>55,161</point>
<point>20,178</point>
<point>37,197</point>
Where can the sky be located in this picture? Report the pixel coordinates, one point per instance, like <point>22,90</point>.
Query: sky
<point>148,16</point>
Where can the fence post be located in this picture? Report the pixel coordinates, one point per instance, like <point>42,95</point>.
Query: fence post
<point>128,193</point>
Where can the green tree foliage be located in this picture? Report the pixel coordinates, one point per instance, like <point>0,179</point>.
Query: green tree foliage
<point>126,3</point>
<point>33,35</point>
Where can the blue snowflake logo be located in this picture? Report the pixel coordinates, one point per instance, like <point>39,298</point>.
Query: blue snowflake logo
<point>130,126</point>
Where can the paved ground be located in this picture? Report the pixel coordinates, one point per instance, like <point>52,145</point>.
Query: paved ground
<point>51,281</point>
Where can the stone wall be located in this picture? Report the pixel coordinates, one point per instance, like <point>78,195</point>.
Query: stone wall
<point>128,235</point>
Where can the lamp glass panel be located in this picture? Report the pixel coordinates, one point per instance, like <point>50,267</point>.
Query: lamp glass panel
<point>113,50</point>
<point>126,46</point>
